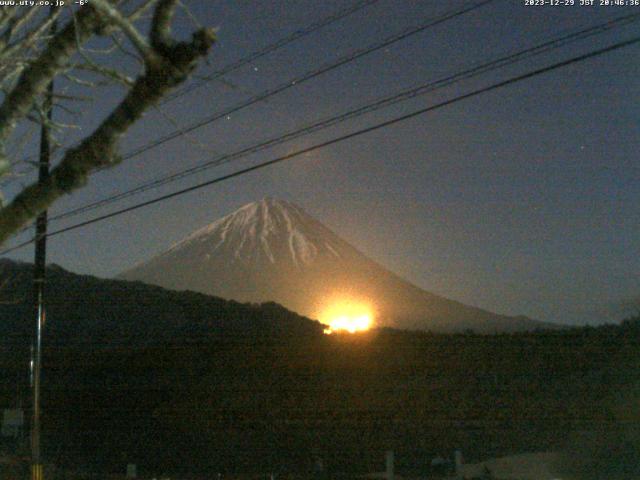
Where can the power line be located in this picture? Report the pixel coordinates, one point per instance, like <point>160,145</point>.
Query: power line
<point>350,57</point>
<point>370,107</point>
<point>297,81</point>
<point>342,138</point>
<point>304,78</point>
<point>252,57</point>
<point>355,55</point>
<point>298,34</point>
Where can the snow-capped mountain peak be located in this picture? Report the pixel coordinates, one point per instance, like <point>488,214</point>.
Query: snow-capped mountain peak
<point>270,230</point>
<point>271,250</point>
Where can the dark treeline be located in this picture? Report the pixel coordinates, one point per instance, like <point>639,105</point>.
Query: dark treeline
<point>181,383</point>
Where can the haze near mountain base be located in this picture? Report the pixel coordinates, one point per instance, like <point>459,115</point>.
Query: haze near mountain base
<point>272,250</point>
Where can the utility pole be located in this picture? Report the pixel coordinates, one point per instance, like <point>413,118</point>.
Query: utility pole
<point>38,282</point>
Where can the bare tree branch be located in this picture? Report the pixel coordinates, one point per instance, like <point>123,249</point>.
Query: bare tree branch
<point>141,10</point>
<point>136,38</point>
<point>30,38</point>
<point>161,24</point>
<point>171,64</point>
<point>35,78</point>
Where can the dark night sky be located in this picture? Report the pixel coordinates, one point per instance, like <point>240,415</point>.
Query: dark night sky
<point>524,200</point>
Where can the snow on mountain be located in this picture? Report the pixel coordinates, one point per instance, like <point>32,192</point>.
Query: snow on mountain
<point>260,230</point>
<point>272,250</point>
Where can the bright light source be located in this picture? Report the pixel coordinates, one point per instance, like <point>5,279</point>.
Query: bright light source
<point>347,315</point>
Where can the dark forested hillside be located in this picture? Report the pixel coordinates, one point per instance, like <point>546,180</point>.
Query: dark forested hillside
<point>187,384</point>
<point>83,309</point>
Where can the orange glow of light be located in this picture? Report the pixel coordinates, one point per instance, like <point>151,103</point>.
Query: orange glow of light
<point>347,315</point>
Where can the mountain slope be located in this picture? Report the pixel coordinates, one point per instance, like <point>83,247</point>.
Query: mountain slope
<point>188,386</point>
<point>273,251</point>
<point>84,309</point>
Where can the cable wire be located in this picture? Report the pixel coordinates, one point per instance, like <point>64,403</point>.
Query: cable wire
<point>368,108</point>
<point>342,138</point>
<point>355,55</point>
<point>303,78</point>
<point>282,42</point>
<point>252,57</point>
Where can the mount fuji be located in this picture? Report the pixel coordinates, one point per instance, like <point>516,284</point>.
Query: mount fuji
<point>272,250</point>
